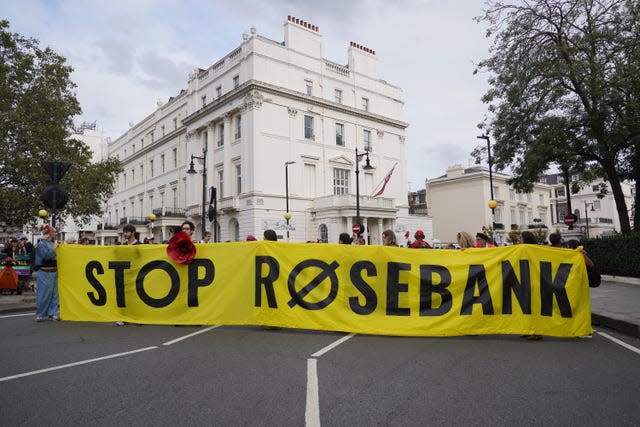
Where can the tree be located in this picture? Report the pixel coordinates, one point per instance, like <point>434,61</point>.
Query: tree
<point>37,105</point>
<point>563,90</point>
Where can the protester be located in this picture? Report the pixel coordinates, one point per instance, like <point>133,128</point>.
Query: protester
<point>270,235</point>
<point>129,234</point>
<point>84,241</point>
<point>251,238</point>
<point>389,238</point>
<point>482,240</point>
<point>359,240</point>
<point>9,277</point>
<point>419,243</point>
<point>188,227</point>
<point>345,239</point>
<point>47,276</point>
<point>465,240</point>
<point>555,240</point>
<point>207,237</point>
<point>528,237</point>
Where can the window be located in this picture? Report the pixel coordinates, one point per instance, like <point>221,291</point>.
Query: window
<point>512,194</point>
<point>174,196</point>
<point>142,173</point>
<point>162,163</point>
<point>133,148</point>
<point>340,134</point>
<point>133,176</point>
<point>324,233</point>
<point>560,192</point>
<point>513,216</point>
<point>366,139</point>
<point>125,154</point>
<point>595,188</point>
<point>238,179</point>
<point>521,218</point>
<point>162,129</point>
<point>498,214</point>
<point>541,197</point>
<point>124,211</point>
<point>219,91</point>
<point>543,218</point>
<point>152,137</point>
<point>175,124</point>
<point>238,134</point>
<point>220,184</point>
<point>124,174</point>
<point>529,198</point>
<point>596,205</point>
<point>175,158</point>
<point>338,96</point>
<point>204,101</point>
<point>151,168</point>
<point>309,87</point>
<point>340,181</point>
<point>236,81</point>
<point>365,104</point>
<point>530,217</point>
<point>220,134</point>
<point>308,127</point>
<point>151,202</point>
<point>496,192</point>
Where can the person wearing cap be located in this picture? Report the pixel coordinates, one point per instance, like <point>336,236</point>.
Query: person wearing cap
<point>482,240</point>
<point>251,238</point>
<point>47,277</point>
<point>419,243</point>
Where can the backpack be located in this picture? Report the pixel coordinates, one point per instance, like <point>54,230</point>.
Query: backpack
<point>594,277</point>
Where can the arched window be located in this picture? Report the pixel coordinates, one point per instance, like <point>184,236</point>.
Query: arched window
<point>324,233</point>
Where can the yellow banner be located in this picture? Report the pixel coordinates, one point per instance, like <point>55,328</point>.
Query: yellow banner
<point>522,289</point>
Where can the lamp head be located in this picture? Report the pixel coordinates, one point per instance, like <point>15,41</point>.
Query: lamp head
<point>287,216</point>
<point>367,165</point>
<point>151,217</point>
<point>42,213</point>
<point>191,170</point>
<point>492,204</point>
<point>290,162</point>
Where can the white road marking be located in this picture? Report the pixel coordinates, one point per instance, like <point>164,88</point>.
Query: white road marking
<point>619,342</point>
<point>191,335</point>
<point>332,346</point>
<point>17,315</point>
<point>312,411</point>
<point>82,362</point>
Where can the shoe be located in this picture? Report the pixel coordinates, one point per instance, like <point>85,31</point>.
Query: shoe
<point>55,318</point>
<point>41,319</point>
<point>119,323</point>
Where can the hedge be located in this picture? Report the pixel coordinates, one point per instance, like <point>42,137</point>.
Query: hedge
<point>617,255</point>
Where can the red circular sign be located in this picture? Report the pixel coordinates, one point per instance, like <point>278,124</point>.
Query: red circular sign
<point>357,228</point>
<point>569,219</point>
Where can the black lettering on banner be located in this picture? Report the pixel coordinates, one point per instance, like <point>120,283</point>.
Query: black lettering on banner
<point>370,297</point>
<point>477,275</point>
<point>427,289</point>
<point>394,287</point>
<point>554,287</point>
<point>119,267</point>
<point>327,271</point>
<point>522,290</point>
<point>195,283</point>
<point>272,275</point>
<point>101,299</point>
<point>173,291</point>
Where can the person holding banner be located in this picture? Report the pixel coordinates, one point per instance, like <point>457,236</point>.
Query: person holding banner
<point>465,240</point>
<point>129,234</point>
<point>270,235</point>
<point>419,243</point>
<point>188,227</point>
<point>47,277</point>
<point>345,239</point>
<point>389,238</point>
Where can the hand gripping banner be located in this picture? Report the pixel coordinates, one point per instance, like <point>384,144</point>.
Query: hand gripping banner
<point>522,289</point>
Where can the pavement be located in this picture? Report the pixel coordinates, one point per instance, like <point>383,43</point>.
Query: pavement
<point>615,304</point>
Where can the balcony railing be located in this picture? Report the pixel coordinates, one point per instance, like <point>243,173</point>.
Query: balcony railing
<point>107,226</point>
<point>170,212</point>
<point>418,210</point>
<point>133,220</point>
<point>349,200</point>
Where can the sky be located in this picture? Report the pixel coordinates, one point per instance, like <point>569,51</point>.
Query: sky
<point>128,54</point>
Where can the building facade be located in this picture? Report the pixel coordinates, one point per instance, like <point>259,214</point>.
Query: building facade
<point>593,206</point>
<point>458,201</point>
<point>268,111</point>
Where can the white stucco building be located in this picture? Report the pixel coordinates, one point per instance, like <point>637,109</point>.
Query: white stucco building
<point>262,105</point>
<point>458,201</point>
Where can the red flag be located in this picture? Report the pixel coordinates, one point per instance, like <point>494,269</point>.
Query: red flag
<point>385,181</point>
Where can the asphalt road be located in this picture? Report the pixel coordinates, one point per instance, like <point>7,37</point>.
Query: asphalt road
<point>246,376</point>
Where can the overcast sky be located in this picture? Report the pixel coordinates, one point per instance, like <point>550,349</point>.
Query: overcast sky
<point>128,54</point>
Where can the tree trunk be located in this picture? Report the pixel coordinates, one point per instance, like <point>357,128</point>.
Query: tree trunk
<point>618,196</point>
<point>636,208</point>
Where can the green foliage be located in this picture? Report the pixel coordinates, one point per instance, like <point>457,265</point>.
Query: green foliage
<point>37,105</point>
<point>564,91</point>
<point>616,256</point>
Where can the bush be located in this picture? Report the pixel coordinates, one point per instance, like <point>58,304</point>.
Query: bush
<point>617,255</point>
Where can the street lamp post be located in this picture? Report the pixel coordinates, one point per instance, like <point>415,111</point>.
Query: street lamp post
<point>287,214</point>
<point>492,202</point>
<point>204,181</point>
<point>367,166</point>
<point>586,216</point>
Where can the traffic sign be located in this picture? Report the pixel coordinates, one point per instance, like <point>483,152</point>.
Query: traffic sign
<point>357,228</point>
<point>569,219</point>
